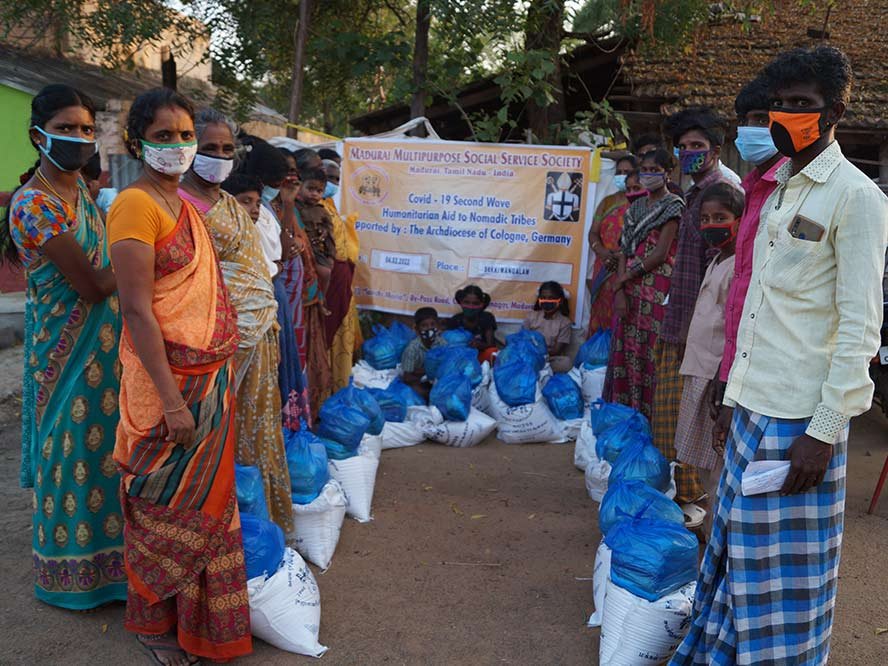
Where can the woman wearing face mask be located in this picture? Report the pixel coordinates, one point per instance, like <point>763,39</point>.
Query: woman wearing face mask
<point>257,424</point>
<point>176,439</point>
<point>604,239</point>
<point>551,318</point>
<point>342,327</point>
<point>647,251</point>
<point>71,377</point>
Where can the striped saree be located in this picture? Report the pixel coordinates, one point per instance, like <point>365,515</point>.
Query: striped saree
<point>184,557</point>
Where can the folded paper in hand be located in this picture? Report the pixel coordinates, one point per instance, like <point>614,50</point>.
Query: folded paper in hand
<point>764,476</point>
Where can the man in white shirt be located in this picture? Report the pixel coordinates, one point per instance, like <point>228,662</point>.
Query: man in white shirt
<point>810,325</point>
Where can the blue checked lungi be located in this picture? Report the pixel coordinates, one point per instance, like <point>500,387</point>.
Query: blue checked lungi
<point>767,585</point>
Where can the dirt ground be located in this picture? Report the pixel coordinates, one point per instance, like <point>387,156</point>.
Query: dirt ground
<point>475,556</point>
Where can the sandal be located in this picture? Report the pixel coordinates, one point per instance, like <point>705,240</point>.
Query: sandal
<point>164,644</point>
<point>693,515</point>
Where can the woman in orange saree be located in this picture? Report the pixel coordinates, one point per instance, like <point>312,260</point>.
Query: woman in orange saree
<point>187,595</point>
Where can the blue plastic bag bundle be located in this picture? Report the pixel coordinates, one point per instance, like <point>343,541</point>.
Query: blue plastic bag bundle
<point>522,351</point>
<point>343,421</point>
<point>403,333</point>
<point>516,383</point>
<point>640,460</point>
<point>405,393</point>
<point>595,352</point>
<point>382,351</point>
<point>607,414</point>
<point>629,500</point>
<point>651,558</point>
<point>534,338</point>
<point>564,397</point>
<point>458,361</point>
<point>307,462</point>
<point>457,337</point>
<point>393,409</point>
<point>452,395</point>
<point>365,400</point>
<point>612,441</point>
<point>250,491</point>
<point>263,545</point>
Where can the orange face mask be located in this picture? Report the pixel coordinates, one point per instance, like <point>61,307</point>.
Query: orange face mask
<point>793,131</point>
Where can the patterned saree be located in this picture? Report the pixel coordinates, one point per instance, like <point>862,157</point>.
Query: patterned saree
<point>184,556</point>
<point>69,411</point>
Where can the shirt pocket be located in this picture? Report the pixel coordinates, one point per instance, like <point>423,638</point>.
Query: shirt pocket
<point>789,259</point>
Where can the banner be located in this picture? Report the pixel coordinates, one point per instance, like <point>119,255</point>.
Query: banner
<point>434,216</point>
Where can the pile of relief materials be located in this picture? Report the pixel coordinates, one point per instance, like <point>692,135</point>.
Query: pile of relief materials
<point>285,603</point>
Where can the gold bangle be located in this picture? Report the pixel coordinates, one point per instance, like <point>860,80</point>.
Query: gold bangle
<point>184,405</point>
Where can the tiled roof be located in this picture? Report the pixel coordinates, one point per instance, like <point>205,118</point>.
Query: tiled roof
<point>728,53</point>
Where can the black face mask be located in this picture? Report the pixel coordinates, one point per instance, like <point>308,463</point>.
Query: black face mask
<point>716,237</point>
<point>67,153</point>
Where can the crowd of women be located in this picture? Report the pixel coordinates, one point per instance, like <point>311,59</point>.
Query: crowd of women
<point>208,311</point>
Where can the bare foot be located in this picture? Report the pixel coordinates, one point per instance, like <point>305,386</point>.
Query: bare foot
<point>165,651</point>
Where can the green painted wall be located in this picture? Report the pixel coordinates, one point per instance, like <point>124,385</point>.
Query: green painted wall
<point>16,152</point>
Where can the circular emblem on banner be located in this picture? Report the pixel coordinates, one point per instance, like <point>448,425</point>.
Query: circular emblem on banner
<point>370,184</point>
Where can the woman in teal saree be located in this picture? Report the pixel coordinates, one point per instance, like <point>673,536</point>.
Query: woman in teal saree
<point>72,373</point>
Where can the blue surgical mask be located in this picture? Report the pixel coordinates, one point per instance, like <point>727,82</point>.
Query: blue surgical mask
<point>269,194</point>
<point>755,144</point>
<point>330,190</point>
<point>620,182</point>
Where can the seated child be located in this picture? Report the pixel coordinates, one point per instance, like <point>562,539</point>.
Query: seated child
<point>550,317</point>
<point>720,211</point>
<point>247,191</point>
<point>317,223</point>
<point>428,327</point>
<point>476,320</point>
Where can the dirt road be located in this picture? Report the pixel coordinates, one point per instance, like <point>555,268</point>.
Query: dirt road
<point>517,530</point>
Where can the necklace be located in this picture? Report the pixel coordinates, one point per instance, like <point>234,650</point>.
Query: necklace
<point>45,181</point>
<point>163,196</point>
<point>212,195</point>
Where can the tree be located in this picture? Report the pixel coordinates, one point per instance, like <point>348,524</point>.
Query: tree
<point>420,57</point>
<point>299,65</point>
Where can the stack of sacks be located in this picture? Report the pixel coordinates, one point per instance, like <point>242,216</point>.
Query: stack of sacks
<point>318,501</point>
<point>366,376</point>
<point>650,594</point>
<point>516,400</point>
<point>613,427</point>
<point>285,607</point>
<point>625,500</point>
<point>565,401</point>
<point>250,491</point>
<point>591,365</point>
<point>352,420</point>
<point>383,352</point>
<point>584,451</point>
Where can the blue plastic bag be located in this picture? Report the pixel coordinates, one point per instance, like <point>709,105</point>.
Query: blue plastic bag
<point>434,359</point>
<point>382,351</point>
<point>516,383</point>
<point>612,441</point>
<point>402,333</point>
<point>452,395</point>
<point>405,393</point>
<point>343,422</point>
<point>393,408</point>
<point>457,337</point>
<point>651,558</point>
<point>629,500</point>
<point>457,361</point>
<point>263,545</point>
<point>307,462</point>
<point>564,397</point>
<point>595,352</point>
<point>607,414</point>
<point>365,400</point>
<point>522,352</point>
<point>534,338</point>
<point>250,491</point>
<point>640,460</point>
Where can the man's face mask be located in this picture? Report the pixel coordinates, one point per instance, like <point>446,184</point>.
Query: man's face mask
<point>693,161</point>
<point>795,130</point>
<point>429,335</point>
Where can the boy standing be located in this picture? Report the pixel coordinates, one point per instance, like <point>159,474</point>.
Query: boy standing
<point>767,587</point>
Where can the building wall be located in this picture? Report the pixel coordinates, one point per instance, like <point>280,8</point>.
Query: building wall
<point>18,153</point>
